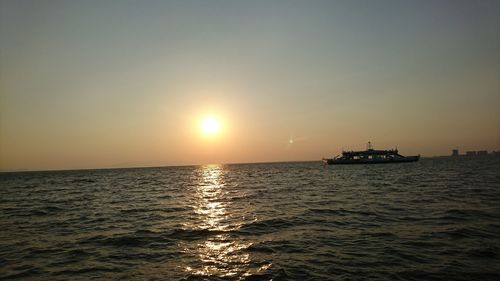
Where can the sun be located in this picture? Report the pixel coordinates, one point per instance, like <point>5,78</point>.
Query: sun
<point>210,126</point>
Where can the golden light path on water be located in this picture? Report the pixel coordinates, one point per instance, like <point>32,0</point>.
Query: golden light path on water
<point>221,254</point>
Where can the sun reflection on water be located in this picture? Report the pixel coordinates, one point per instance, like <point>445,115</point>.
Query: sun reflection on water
<point>209,193</point>
<point>220,254</point>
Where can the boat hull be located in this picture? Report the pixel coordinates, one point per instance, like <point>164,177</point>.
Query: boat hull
<point>370,161</point>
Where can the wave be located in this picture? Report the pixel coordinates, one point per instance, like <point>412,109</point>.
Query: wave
<point>86,270</point>
<point>269,225</point>
<point>194,234</point>
<point>83,180</point>
<point>141,238</point>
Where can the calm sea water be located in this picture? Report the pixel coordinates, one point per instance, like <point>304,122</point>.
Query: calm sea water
<point>437,219</point>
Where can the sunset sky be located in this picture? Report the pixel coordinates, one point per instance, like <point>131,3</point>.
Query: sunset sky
<point>91,84</point>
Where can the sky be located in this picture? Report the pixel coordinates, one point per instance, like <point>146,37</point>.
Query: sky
<point>95,84</point>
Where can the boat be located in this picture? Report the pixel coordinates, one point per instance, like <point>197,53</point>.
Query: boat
<point>370,156</point>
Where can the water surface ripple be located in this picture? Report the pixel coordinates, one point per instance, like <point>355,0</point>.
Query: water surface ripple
<point>437,219</point>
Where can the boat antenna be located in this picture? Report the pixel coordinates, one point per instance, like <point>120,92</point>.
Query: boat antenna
<point>369,146</point>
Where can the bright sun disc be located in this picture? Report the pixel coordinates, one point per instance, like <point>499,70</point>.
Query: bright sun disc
<point>210,126</point>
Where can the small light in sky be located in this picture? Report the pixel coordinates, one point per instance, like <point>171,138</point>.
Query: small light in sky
<point>290,141</point>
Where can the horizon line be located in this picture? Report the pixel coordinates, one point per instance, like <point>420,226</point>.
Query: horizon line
<point>173,166</point>
<point>150,167</point>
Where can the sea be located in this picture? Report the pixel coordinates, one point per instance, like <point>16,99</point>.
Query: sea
<point>436,219</point>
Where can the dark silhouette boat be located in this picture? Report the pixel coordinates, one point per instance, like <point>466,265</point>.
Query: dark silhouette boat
<point>370,156</point>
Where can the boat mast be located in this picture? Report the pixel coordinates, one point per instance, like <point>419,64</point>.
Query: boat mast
<point>369,146</point>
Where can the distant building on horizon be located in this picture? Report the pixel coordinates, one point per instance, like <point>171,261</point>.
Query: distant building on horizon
<point>455,153</point>
<point>470,153</point>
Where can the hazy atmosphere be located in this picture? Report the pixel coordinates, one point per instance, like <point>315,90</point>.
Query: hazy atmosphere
<point>90,84</point>
<point>250,140</point>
